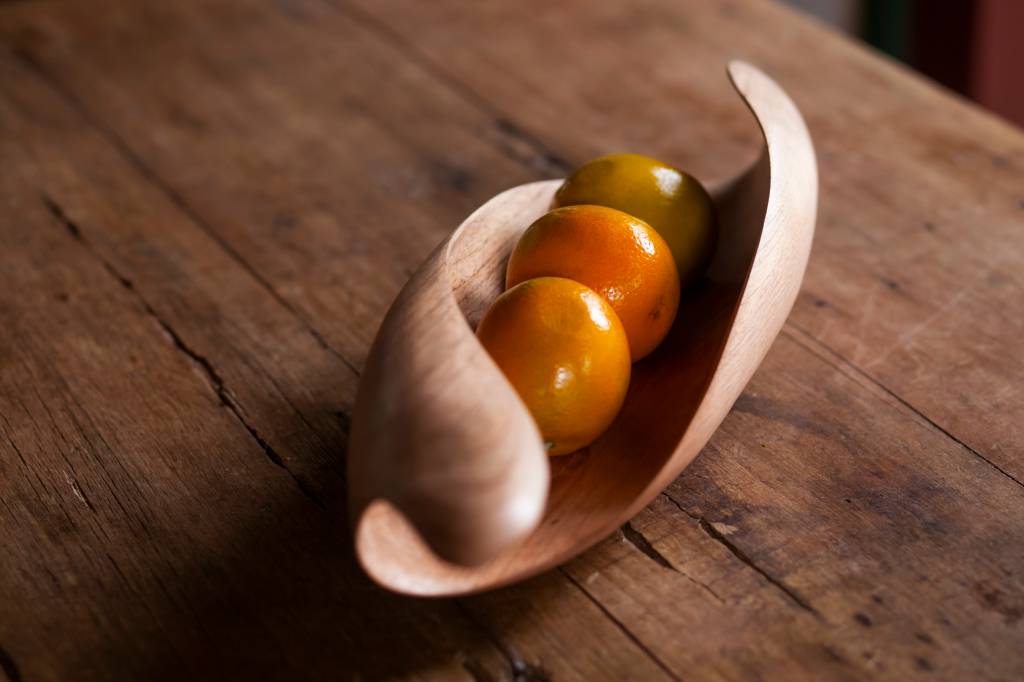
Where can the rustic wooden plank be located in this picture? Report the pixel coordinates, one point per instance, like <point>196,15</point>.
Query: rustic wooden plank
<point>193,112</point>
<point>365,178</point>
<point>287,386</point>
<point>190,285</point>
<point>147,532</point>
<point>915,275</point>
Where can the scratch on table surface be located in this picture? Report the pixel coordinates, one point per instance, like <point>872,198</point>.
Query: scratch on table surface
<point>77,490</point>
<point>903,339</point>
<point>865,320</point>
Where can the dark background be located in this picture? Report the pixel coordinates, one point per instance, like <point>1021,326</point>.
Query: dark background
<point>972,47</point>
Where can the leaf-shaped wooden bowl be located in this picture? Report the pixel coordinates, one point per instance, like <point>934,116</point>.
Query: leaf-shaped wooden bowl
<point>449,485</point>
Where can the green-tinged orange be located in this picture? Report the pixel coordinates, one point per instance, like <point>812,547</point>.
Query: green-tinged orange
<point>672,202</point>
<point>564,350</point>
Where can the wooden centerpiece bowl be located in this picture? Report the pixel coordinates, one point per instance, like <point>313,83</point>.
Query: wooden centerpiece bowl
<point>450,488</point>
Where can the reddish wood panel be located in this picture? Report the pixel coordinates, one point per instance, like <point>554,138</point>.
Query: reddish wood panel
<point>999,58</point>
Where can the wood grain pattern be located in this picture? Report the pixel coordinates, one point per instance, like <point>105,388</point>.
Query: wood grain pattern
<point>266,176</point>
<point>148,516</point>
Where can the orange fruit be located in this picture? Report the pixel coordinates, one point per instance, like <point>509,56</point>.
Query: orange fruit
<point>615,254</point>
<point>672,202</point>
<point>563,349</point>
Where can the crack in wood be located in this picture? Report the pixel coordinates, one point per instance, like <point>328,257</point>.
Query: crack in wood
<point>839,359</point>
<point>261,370</point>
<point>713,532</point>
<point>835,655</point>
<point>522,671</point>
<point>144,170</point>
<point>213,377</point>
<point>14,445</point>
<point>638,540</point>
<point>737,552</point>
<point>346,420</point>
<point>620,625</point>
<point>543,159</point>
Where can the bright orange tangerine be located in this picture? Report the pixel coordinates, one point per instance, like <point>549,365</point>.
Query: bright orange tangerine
<point>617,255</point>
<point>563,349</point>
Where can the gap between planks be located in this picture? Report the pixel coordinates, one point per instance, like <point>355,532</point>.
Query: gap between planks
<point>213,378</point>
<point>620,625</point>
<point>640,541</point>
<point>830,356</point>
<point>706,526</point>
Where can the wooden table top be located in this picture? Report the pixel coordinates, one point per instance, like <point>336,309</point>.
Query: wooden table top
<point>206,208</point>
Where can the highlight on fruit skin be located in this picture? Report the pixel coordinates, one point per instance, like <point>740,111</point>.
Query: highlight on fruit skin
<point>617,255</point>
<point>564,350</point>
<point>671,201</point>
